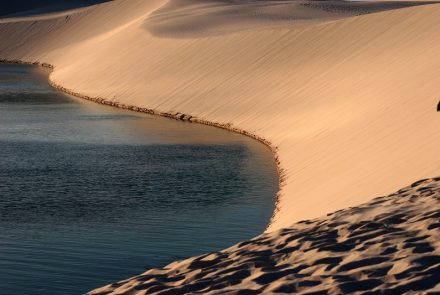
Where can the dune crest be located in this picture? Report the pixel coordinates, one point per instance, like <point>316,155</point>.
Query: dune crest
<point>198,18</point>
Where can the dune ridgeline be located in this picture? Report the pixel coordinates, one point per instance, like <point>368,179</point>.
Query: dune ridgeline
<point>345,94</point>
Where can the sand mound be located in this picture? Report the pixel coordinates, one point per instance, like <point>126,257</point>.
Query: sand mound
<point>387,246</point>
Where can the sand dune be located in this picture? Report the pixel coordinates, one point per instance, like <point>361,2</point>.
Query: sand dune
<point>347,101</point>
<point>387,246</point>
<point>344,102</point>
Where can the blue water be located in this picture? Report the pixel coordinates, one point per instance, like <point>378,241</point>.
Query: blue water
<point>91,194</point>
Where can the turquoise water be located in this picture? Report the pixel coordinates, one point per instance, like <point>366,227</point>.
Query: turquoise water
<point>90,194</point>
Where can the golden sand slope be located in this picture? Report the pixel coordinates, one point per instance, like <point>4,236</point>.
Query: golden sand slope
<point>348,101</point>
<point>387,246</point>
<point>350,104</point>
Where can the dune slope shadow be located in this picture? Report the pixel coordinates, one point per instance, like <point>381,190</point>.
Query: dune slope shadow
<point>31,7</point>
<point>387,246</point>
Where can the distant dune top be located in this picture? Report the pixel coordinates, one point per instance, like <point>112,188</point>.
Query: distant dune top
<point>189,18</point>
<point>19,8</point>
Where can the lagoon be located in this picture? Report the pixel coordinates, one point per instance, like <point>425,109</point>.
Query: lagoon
<point>92,194</point>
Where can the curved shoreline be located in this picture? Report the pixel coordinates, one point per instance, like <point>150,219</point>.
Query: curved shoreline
<point>175,116</point>
<point>323,110</point>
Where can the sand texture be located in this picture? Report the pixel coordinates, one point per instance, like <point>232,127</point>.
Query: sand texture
<point>390,245</point>
<point>345,93</point>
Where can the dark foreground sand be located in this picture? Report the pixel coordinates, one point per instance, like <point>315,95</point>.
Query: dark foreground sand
<point>389,245</point>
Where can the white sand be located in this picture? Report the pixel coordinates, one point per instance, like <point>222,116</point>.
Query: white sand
<point>348,101</point>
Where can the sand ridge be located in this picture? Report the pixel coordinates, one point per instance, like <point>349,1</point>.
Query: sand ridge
<point>196,18</point>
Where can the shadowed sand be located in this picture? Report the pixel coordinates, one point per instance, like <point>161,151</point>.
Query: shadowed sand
<point>345,93</point>
<point>389,245</point>
<point>25,8</point>
<point>192,18</point>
